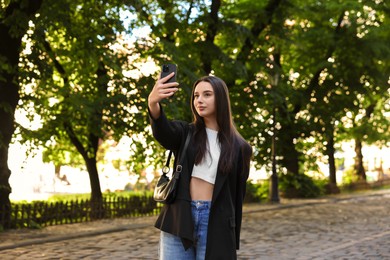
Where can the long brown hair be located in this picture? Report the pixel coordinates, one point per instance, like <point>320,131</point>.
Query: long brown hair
<point>227,133</point>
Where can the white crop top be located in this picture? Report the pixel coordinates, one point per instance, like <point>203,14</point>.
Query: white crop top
<point>207,169</point>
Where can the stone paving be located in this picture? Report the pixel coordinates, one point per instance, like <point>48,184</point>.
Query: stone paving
<point>337,227</point>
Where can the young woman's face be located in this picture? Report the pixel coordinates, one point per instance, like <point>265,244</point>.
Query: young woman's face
<point>204,100</point>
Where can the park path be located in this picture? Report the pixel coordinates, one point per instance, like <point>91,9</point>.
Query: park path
<point>355,226</point>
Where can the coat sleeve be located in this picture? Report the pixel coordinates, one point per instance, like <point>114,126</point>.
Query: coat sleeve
<point>242,177</point>
<point>168,133</point>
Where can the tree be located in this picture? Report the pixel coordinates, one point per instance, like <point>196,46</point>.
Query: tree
<point>73,79</point>
<point>203,38</point>
<point>304,49</point>
<point>367,74</point>
<point>14,19</point>
<point>356,81</point>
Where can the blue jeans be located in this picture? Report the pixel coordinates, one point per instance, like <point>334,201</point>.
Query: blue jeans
<point>171,246</point>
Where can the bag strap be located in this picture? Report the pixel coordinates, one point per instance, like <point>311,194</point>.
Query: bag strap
<point>165,169</point>
<point>179,165</point>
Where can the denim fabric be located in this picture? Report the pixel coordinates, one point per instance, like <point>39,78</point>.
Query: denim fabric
<point>171,246</point>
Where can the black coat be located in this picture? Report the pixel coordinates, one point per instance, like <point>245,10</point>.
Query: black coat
<point>223,237</point>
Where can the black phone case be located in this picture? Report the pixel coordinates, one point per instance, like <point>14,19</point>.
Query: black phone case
<point>167,69</point>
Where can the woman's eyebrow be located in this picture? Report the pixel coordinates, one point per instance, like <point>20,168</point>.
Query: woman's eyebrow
<point>205,91</point>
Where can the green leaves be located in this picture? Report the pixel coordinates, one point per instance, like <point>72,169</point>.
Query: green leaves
<point>319,64</point>
<point>72,75</point>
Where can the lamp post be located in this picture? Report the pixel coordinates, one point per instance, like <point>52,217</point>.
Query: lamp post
<point>274,177</point>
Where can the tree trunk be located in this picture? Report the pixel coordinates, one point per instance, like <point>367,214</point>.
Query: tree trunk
<point>10,47</point>
<point>5,189</point>
<point>90,162</point>
<point>96,193</point>
<point>208,44</point>
<point>332,185</point>
<point>8,100</point>
<point>288,151</point>
<point>9,97</point>
<point>358,167</point>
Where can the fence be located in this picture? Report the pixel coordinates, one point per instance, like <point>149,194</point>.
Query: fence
<point>40,214</point>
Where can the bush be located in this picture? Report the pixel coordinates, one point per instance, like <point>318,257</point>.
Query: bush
<point>257,192</point>
<point>300,186</point>
<point>87,196</point>
<point>349,176</point>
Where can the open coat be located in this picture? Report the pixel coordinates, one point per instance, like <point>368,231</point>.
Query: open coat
<point>223,237</point>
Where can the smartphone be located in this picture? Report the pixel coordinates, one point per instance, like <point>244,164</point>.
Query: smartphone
<point>167,69</point>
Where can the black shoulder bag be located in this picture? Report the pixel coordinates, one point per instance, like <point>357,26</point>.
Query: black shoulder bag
<point>166,189</point>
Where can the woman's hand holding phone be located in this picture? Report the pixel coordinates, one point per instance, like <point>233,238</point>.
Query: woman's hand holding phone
<point>161,90</point>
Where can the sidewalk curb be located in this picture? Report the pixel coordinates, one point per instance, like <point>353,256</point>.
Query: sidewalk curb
<point>330,199</point>
<point>38,241</point>
<point>149,222</point>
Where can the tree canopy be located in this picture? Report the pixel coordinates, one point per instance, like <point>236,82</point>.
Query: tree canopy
<point>322,66</point>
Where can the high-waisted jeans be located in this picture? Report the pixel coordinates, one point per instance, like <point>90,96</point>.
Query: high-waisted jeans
<point>171,246</point>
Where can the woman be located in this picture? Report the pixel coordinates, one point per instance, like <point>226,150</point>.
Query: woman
<point>204,222</point>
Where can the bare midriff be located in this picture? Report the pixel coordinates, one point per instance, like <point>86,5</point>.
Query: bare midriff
<point>200,189</point>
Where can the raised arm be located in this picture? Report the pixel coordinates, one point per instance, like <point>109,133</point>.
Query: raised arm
<point>160,91</point>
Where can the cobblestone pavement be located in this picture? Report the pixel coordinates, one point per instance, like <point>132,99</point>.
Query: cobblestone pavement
<point>338,227</point>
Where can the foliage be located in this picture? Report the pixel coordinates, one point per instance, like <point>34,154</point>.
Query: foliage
<point>85,196</point>
<point>73,74</point>
<point>320,65</point>
<point>69,197</point>
<point>349,177</point>
<point>295,56</point>
<point>257,192</point>
<point>300,186</point>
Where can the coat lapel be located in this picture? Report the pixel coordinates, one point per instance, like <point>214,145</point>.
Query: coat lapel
<point>221,178</point>
<point>219,181</point>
